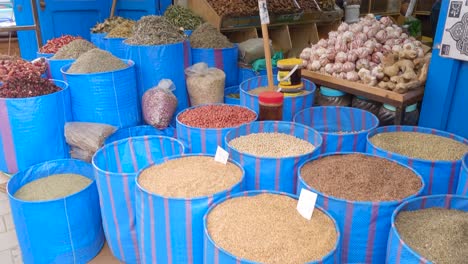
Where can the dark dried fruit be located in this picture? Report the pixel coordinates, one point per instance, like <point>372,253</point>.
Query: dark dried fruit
<point>53,45</point>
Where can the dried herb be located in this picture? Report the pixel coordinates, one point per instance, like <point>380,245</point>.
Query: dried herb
<point>123,30</point>
<point>235,8</point>
<point>155,30</point>
<point>53,45</point>
<point>207,36</point>
<point>108,24</point>
<point>73,50</point>
<point>96,60</point>
<point>183,17</point>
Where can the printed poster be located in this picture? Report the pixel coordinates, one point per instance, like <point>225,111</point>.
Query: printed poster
<point>455,38</point>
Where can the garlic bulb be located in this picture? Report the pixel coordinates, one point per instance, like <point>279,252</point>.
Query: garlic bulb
<point>315,66</point>
<point>341,57</point>
<point>348,66</point>
<point>343,27</point>
<point>352,76</point>
<point>329,68</point>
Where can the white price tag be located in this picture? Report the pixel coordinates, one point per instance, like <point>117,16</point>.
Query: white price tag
<point>221,156</point>
<point>306,203</point>
<point>264,17</point>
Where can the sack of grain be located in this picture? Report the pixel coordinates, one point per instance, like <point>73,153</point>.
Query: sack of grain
<point>342,128</point>
<point>463,180</point>
<point>116,166</point>
<point>205,85</point>
<point>159,104</point>
<point>87,136</point>
<point>252,50</point>
<point>138,131</point>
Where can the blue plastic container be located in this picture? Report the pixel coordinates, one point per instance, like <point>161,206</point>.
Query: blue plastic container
<point>364,225</point>
<point>441,177</point>
<point>154,63</point>
<point>275,174</point>
<point>216,254</point>
<point>291,105</point>
<point>55,68</point>
<point>105,97</point>
<point>188,32</point>
<point>138,131</point>
<point>32,129</point>
<point>98,39</point>
<point>116,166</point>
<point>231,90</point>
<point>64,230</point>
<point>248,73</point>
<point>116,47</point>
<point>223,59</point>
<point>44,55</point>
<point>463,180</point>
<point>203,140</point>
<point>343,129</point>
<point>398,251</point>
<point>171,229</point>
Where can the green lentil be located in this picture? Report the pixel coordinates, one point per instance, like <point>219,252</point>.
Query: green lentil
<point>73,50</point>
<point>183,17</point>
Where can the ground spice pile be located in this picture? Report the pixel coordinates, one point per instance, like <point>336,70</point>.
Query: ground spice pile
<point>155,30</point>
<point>190,177</point>
<point>208,37</point>
<point>52,187</point>
<point>233,8</point>
<point>73,50</point>
<point>53,45</point>
<point>268,229</point>
<point>439,235</point>
<point>123,30</point>
<point>23,79</point>
<point>183,17</point>
<point>420,146</point>
<point>108,24</point>
<point>357,177</point>
<point>217,116</point>
<point>97,60</point>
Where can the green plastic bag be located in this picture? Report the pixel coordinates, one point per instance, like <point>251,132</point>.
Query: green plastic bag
<point>260,64</point>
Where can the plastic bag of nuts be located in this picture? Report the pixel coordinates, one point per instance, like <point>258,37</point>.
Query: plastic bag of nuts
<point>159,104</point>
<point>205,85</point>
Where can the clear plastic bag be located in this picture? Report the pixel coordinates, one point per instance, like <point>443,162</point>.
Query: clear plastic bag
<point>205,85</point>
<point>84,155</point>
<point>87,136</point>
<point>159,104</point>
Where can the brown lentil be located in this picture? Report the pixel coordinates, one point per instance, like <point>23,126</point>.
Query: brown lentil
<point>439,235</point>
<point>190,177</point>
<point>217,116</point>
<point>357,177</point>
<point>96,60</point>
<point>274,145</point>
<point>267,228</point>
<point>52,187</point>
<point>420,146</point>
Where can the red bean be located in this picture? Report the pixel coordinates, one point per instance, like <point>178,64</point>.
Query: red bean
<point>53,45</point>
<point>217,116</point>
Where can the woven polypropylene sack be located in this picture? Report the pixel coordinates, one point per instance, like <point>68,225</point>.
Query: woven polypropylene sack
<point>63,230</point>
<point>441,177</point>
<point>223,59</point>
<point>202,140</point>
<point>170,230</point>
<point>116,166</point>
<point>364,225</point>
<point>154,63</point>
<point>116,47</point>
<point>230,100</point>
<point>107,97</point>
<point>44,55</point>
<point>32,129</point>
<point>398,251</point>
<point>248,73</point>
<point>291,105</point>
<point>55,68</point>
<point>215,254</point>
<point>463,179</point>
<point>98,39</point>
<point>342,128</point>
<point>275,174</point>
<point>138,131</point>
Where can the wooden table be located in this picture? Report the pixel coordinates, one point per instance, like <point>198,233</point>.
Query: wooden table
<point>399,101</point>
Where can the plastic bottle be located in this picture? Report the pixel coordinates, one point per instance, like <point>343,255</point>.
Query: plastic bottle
<point>271,106</point>
<point>387,115</point>
<point>331,97</point>
<point>366,104</point>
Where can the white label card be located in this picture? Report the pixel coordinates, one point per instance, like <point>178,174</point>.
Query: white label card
<point>264,17</point>
<point>306,203</point>
<point>221,156</point>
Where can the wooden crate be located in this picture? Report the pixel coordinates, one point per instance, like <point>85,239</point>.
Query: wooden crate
<point>241,35</point>
<point>302,36</point>
<point>424,5</point>
<point>280,38</point>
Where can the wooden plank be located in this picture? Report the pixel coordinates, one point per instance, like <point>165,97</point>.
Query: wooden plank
<point>302,36</point>
<point>280,38</point>
<point>373,93</point>
<point>203,9</point>
<point>238,36</point>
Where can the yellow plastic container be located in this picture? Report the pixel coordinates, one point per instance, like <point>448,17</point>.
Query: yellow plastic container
<point>289,72</point>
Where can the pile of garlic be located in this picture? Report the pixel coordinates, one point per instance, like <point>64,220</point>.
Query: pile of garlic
<point>373,52</point>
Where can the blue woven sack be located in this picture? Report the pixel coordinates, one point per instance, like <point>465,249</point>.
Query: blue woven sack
<point>275,174</point>
<point>441,177</point>
<point>398,251</point>
<point>98,39</point>
<point>231,90</point>
<point>248,73</point>
<point>138,131</point>
<point>116,166</point>
<point>342,128</point>
<point>54,68</point>
<point>463,179</point>
<point>32,129</point>
<point>116,47</point>
<point>63,230</point>
<point>171,229</point>
<point>223,59</point>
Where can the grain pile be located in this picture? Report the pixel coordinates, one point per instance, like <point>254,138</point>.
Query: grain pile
<point>123,30</point>
<point>95,61</point>
<point>234,8</point>
<point>53,45</point>
<point>268,229</point>
<point>190,177</point>
<point>272,145</point>
<point>73,50</point>
<point>439,235</point>
<point>155,30</point>
<point>420,146</point>
<point>205,85</point>
<point>217,116</point>
<point>52,187</point>
<point>357,177</point>
<point>108,24</point>
<point>183,17</point>
<point>208,37</point>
